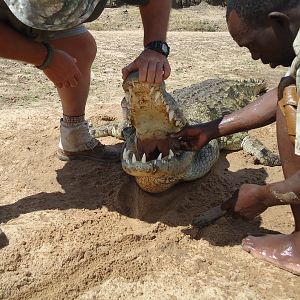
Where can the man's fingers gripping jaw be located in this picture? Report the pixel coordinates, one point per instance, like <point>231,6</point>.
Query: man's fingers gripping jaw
<point>159,73</point>
<point>151,72</point>
<point>166,70</point>
<point>130,68</point>
<point>143,70</point>
<point>188,145</point>
<point>185,145</point>
<point>155,72</point>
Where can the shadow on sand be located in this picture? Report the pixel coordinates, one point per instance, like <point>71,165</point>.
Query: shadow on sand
<point>90,185</point>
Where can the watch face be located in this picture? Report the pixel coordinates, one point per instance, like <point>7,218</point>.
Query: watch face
<point>160,47</point>
<point>164,48</point>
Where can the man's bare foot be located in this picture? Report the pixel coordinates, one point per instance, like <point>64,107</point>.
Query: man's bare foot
<point>280,250</point>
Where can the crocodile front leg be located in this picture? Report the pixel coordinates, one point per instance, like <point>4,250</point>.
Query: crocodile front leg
<point>260,152</point>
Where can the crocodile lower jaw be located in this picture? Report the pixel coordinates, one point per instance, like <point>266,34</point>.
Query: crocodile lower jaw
<point>132,158</point>
<point>171,164</point>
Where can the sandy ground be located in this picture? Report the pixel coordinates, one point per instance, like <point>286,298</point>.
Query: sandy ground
<point>83,230</point>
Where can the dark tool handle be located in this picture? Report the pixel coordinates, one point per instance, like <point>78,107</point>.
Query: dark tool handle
<point>209,217</point>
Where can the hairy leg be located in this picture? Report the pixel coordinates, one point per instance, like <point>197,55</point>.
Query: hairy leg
<point>76,141</point>
<point>281,250</point>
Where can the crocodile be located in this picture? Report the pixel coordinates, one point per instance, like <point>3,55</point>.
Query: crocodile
<point>151,114</point>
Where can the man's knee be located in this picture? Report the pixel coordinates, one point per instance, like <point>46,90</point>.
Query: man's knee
<point>89,49</point>
<point>82,47</point>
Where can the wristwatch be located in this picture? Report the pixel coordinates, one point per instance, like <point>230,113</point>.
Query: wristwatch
<point>160,47</point>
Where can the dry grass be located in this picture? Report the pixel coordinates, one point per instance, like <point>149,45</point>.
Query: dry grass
<point>196,18</point>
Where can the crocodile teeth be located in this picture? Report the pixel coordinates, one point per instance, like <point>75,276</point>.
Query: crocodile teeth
<point>157,96</point>
<point>125,155</point>
<point>130,93</point>
<point>127,97</point>
<point>159,156</point>
<point>127,161</point>
<point>125,113</point>
<point>144,158</point>
<point>167,108</point>
<point>177,123</point>
<point>171,115</point>
<point>171,154</point>
<point>133,158</point>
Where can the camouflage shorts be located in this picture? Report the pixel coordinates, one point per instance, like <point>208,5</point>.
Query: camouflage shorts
<point>40,35</point>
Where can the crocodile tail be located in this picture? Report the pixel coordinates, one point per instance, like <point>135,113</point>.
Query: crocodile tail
<point>114,129</point>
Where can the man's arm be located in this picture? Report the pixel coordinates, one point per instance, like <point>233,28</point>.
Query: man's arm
<point>284,192</point>
<point>153,67</point>
<point>155,17</point>
<point>251,199</point>
<point>62,71</point>
<point>15,46</point>
<point>257,114</point>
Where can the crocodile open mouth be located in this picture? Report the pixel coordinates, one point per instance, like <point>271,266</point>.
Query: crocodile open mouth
<point>151,115</point>
<point>154,148</point>
<point>155,115</point>
<point>134,156</point>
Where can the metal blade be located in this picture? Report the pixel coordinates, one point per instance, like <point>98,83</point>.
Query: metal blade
<point>209,217</point>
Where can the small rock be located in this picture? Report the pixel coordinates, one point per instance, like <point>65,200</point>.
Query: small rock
<point>28,274</point>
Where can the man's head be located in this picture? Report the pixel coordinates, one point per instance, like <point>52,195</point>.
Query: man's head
<point>266,27</point>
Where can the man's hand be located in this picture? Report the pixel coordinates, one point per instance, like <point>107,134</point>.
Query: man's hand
<point>195,137</point>
<point>247,202</point>
<point>153,67</point>
<point>63,71</point>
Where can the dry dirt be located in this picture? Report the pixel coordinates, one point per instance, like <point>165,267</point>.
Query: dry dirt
<point>83,230</point>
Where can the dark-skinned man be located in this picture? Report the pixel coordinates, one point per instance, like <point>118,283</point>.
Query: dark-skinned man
<point>269,30</point>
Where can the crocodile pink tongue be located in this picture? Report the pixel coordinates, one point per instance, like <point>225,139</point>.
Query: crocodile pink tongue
<point>153,147</point>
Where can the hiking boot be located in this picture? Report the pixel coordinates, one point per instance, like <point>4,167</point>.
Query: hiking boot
<point>99,153</point>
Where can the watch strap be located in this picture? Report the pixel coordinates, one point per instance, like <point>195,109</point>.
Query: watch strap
<point>159,46</point>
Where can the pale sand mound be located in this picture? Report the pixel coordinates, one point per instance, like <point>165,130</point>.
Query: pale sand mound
<point>83,230</point>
